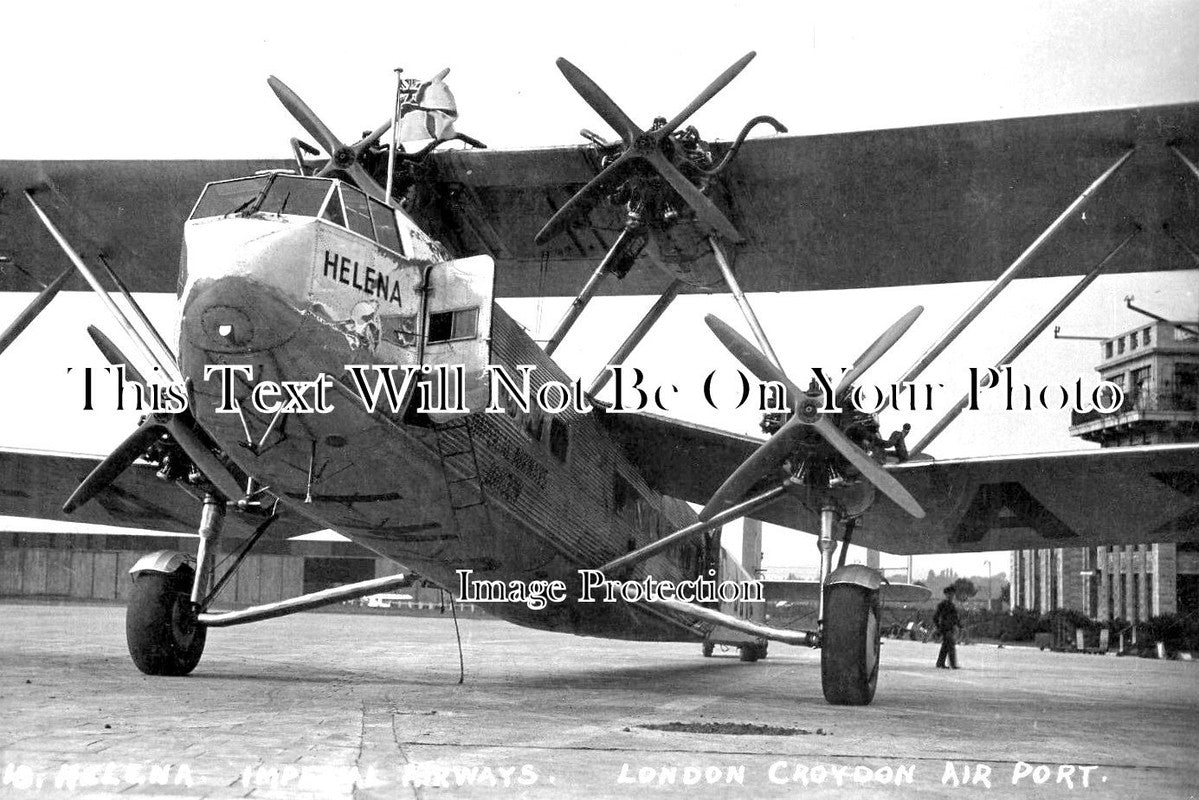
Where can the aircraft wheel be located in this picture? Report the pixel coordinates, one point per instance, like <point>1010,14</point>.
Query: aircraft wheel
<point>850,644</point>
<point>161,630</point>
<point>762,649</point>
<point>708,648</point>
<point>750,652</point>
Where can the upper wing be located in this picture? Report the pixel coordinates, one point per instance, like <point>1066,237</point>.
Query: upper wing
<point>35,484</point>
<point>931,204</point>
<point>131,212</point>
<point>1127,495</point>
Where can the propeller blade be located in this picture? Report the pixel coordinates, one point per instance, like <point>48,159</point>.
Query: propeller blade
<point>364,181</point>
<point>304,115</point>
<point>117,462</point>
<point>371,138</point>
<point>753,358</point>
<point>705,210</point>
<point>208,464</point>
<point>768,457</point>
<point>599,101</point>
<point>871,470</point>
<point>584,198</point>
<point>113,355</point>
<point>723,80</point>
<point>875,351</point>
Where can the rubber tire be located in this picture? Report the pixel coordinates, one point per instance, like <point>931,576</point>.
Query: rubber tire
<point>762,650</point>
<point>849,648</point>
<point>707,649</point>
<point>749,652</point>
<point>160,627</point>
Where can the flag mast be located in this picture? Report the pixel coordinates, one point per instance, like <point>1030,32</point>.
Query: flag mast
<point>395,132</point>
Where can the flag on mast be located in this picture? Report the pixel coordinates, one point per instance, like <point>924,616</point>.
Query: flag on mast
<point>430,113</point>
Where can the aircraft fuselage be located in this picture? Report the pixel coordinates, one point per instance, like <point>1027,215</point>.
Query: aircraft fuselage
<point>512,496</point>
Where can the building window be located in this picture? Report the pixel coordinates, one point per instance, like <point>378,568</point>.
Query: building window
<point>1145,336</point>
<point>1120,345</point>
<point>1107,349</point>
<point>1186,387</point>
<point>1138,390</point>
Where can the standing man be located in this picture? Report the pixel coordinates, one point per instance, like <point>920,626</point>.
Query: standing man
<point>946,621</point>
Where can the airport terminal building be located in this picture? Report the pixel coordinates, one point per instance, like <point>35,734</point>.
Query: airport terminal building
<point>1158,367</point>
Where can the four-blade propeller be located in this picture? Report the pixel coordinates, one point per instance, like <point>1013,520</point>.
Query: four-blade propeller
<point>342,157</point>
<point>806,417</point>
<point>647,147</point>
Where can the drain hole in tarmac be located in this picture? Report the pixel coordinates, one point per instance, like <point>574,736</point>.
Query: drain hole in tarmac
<point>733,728</point>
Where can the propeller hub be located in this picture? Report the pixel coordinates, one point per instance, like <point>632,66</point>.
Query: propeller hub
<point>344,156</point>
<point>809,408</point>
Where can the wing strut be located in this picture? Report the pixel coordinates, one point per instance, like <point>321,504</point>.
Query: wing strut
<point>168,368</point>
<point>35,307</point>
<point>743,302</point>
<point>638,333</point>
<point>1011,273</point>
<point>623,242</point>
<point>1024,342</point>
<point>742,509</point>
<point>657,310</point>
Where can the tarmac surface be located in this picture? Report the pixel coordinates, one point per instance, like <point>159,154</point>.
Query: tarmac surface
<point>346,705</point>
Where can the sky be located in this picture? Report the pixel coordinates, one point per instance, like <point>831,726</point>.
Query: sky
<point>139,80</point>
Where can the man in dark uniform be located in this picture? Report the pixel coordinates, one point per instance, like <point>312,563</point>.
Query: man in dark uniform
<point>946,621</point>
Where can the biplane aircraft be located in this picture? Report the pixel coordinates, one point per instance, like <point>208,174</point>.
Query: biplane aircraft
<point>389,257</point>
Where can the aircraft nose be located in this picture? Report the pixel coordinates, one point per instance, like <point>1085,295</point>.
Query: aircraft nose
<point>237,315</point>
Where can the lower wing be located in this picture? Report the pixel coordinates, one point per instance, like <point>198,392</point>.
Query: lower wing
<point>35,484</point>
<point>1125,495</point>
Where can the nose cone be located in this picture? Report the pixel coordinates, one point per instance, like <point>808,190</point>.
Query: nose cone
<point>237,315</point>
<point>247,283</point>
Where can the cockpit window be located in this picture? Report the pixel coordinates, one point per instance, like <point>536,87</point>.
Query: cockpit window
<point>333,211</point>
<point>229,197</point>
<point>358,215</point>
<point>290,194</point>
<point>386,231</point>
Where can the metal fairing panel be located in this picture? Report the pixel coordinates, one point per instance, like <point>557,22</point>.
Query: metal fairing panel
<point>938,203</point>
<point>1127,495</point>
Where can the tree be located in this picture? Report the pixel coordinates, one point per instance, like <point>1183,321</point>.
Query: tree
<point>964,588</point>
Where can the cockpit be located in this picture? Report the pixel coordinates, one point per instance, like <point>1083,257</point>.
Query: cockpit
<point>324,198</point>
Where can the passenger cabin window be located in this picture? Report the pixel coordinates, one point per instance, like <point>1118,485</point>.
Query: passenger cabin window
<point>228,197</point>
<point>386,232</point>
<point>358,213</point>
<point>290,194</point>
<point>622,493</point>
<point>448,326</point>
<point>559,438</point>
